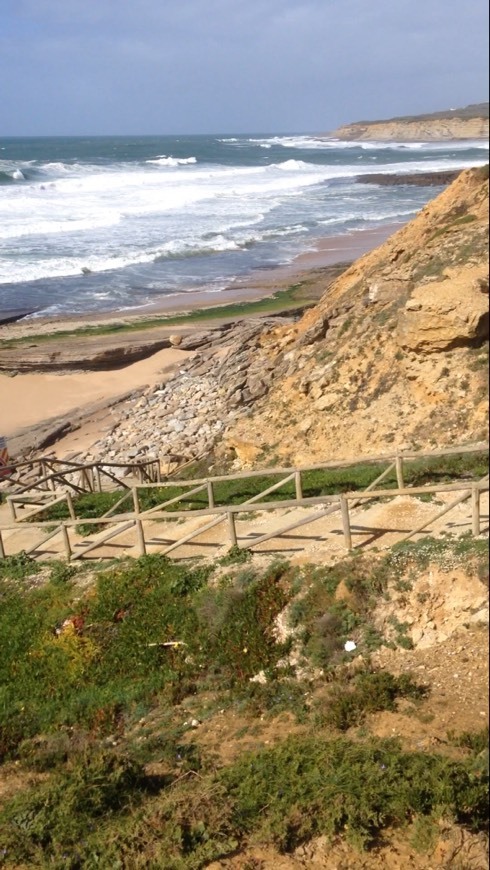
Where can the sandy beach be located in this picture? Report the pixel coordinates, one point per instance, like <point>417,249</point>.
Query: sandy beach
<point>28,400</point>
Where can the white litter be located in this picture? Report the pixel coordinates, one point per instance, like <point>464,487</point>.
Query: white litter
<point>350,646</point>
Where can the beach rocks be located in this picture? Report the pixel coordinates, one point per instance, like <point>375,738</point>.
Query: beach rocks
<point>183,418</point>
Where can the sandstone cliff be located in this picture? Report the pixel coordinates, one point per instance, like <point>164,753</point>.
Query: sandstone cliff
<point>394,356</point>
<point>470,123</point>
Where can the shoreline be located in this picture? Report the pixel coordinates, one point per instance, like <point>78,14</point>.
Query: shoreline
<point>257,284</point>
<point>329,251</point>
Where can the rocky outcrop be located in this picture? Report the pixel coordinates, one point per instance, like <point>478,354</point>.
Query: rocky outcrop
<point>87,353</point>
<point>184,417</point>
<point>446,314</point>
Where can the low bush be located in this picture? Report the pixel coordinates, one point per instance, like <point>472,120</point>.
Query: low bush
<point>370,692</point>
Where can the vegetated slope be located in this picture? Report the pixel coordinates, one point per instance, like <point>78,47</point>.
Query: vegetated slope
<point>394,356</point>
<point>160,715</point>
<point>466,123</point>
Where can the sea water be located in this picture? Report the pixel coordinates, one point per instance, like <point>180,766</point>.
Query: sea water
<point>108,223</point>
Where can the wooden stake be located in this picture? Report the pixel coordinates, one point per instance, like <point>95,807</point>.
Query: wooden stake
<point>399,472</point>
<point>297,484</point>
<point>475,510</point>
<point>71,509</point>
<point>2,548</point>
<point>140,533</point>
<point>210,494</point>
<point>66,541</point>
<point>12,508</point>
<point>344,508</point>
<point>232,529</point>
<point>136,501</point>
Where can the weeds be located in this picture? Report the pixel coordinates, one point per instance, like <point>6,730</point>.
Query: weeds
<point>103,811</point>
<point>307,787</point>
<point>235,556</point>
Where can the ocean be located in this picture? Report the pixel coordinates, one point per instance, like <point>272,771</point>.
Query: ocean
<point>114,223</point>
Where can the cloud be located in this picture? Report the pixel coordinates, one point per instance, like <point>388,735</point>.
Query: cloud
<point>234,65</point>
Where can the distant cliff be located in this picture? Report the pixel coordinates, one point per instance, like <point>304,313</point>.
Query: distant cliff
<point>470,122</point>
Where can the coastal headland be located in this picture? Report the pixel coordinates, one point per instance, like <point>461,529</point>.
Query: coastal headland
<point>470,122</point>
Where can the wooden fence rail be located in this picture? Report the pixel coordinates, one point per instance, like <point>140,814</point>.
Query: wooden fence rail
<point>123,522</point>
<point>91,477</point>
<point>46,470</point>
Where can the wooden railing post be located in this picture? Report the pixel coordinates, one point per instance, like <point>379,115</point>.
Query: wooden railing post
<point>210,493</point>
<point>136,502</point>
<point>44,473</point>
<point>475,509</point>
<point>2,548</point>
<point>98,479</point>
<point>140,533</point>
<point>66,542</point>
<point>297,484</point>
<point>12,508</point>
<point>71,509</point>
<point>344,509</point>
<point>399,472</point>
<point>232,528</point>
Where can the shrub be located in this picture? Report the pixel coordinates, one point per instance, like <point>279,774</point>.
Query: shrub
<point>370,693</point>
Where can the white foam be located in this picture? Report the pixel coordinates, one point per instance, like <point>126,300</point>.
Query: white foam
<point>108,217</point>
<point>172,161</point>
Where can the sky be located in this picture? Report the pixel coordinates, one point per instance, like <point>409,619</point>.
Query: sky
<point>135,67</point>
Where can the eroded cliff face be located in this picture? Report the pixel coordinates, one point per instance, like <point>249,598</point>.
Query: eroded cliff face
<point>395,355</point>
<point>416,131</point>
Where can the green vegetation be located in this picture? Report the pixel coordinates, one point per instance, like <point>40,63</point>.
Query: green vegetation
<point>99,686</point>
<point>147,630</point>
<point>370,693</point>
<point>307,787</point>
<point>91,814</point>
<point>454,224</point>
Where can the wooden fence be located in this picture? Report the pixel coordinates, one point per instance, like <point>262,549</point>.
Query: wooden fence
<point>342,502</point>
<point>49,474</point>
